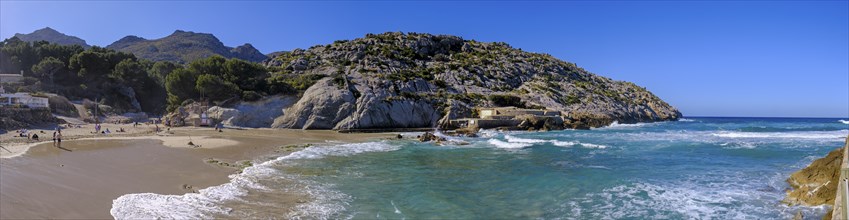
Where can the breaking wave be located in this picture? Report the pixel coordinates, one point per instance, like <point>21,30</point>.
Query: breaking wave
<point>507,145</point>
<point>786,135</point>
<point>512,139</point>
<point>207,203</point>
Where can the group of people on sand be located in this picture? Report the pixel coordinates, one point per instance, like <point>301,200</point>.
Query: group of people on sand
<point>57,136</point>
<point>97,130</point>
<point>26,133</point>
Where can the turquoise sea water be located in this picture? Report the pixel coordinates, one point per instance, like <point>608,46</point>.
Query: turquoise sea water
<point>704,168</point>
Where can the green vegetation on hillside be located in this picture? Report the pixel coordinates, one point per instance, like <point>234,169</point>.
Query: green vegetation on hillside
<point>117,79</point>
<point>216,79</point>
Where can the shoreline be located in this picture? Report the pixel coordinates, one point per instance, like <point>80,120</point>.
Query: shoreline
<point>83,177</point>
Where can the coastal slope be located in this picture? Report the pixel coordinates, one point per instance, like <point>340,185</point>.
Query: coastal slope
<point>413,80</point>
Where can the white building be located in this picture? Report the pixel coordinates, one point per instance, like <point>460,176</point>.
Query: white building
<point>21,98</point>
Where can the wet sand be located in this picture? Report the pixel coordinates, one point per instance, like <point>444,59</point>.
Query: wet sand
<point>80,179</point>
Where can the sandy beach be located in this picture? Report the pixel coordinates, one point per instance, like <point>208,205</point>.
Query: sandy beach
<point>80,178</point>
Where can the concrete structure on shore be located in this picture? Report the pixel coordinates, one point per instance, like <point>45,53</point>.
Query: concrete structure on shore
<point>508,117</point>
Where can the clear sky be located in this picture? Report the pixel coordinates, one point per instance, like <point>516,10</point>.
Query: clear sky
<point>721,58</point>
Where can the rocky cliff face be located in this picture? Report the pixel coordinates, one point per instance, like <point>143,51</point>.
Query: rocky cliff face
<point>397,80</point>
<point>816,184</point>
<point>184,47</point>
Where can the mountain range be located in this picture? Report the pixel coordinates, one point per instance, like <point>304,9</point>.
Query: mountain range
<point>180,46</point>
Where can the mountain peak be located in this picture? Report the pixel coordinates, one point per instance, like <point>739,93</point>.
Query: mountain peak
<point>53,36</point>
<point>46,30</point>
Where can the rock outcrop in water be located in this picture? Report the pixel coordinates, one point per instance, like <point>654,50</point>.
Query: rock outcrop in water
<point>816,184</point>
<point>396,80</point>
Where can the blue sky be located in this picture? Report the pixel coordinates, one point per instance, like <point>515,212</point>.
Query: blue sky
<point>719,58</point>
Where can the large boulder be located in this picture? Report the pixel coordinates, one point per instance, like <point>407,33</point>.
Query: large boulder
<point>252,114</point>
<point>322,106</point>
<point>374,112</point>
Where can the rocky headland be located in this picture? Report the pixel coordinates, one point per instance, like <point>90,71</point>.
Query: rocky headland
<point>412,80</point>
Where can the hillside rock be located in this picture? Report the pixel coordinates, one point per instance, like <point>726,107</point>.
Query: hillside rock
<point>52,36</point>
<point>60,105</point>
<point>17,118</point>
<point>184,47</point>
<point>252,114</point>
<point>397,80</point>
<point>816,184</point>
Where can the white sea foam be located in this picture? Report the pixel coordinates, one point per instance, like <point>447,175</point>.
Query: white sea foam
<point>576,143</point>
<point>844,121</point>
<point>739,145</point>
<point>731,139</point>
<point>488,133</point>
<point>686,120</point>
<point>207,202</point>
<point>724,200</point>
<point>507,145</point>
<point>315,152</point>
<point>598,167</point>
<point>192,205</point>
<point>790,135</point>
<point>617,125</point>
<point>513,139</point>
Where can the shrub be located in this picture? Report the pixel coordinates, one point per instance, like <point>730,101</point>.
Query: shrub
<point>250,96</point>
<point>440,83</point>
<point>291,83</point>
<point>505,100</point>
<point>339,80</point>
